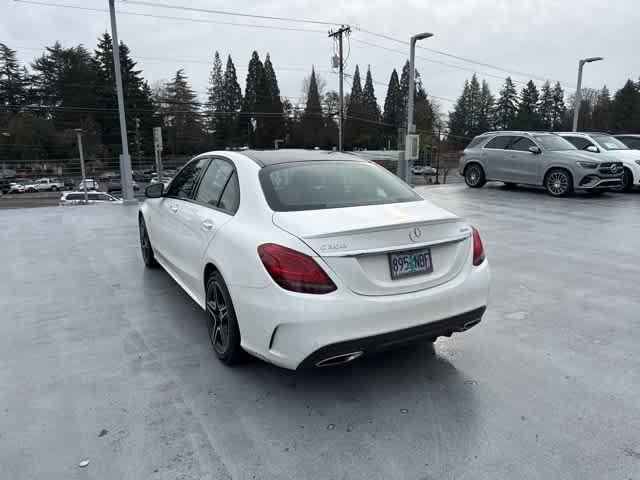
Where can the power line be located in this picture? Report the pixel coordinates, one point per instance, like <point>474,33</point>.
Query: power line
<point>457,57</point>
<point>167,17</point>
<point>225,12</point>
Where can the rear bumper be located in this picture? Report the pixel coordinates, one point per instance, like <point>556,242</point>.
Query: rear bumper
<point>386,341</point>
<point>292,330</point>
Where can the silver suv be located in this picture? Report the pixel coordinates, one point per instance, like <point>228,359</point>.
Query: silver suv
<point>536,158</point>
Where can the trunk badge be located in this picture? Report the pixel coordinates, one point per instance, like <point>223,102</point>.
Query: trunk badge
<point>415,234</point>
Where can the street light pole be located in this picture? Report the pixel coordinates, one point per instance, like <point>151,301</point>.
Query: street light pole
<point>125,160</point>
<point>82,171</point>
<point>578,98</point>
<point>411,128</point>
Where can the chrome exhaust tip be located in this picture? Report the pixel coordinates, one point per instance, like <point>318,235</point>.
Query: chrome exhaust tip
<point>339,359</point>
<point>470,324</point>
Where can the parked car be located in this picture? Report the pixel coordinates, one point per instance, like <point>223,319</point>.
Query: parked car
<point>91,184</point>
<point>630,140</point>
<point>141,176</point>
<point>45,184</point>
<point>18,186</point>
<point>535,158</point>
<point>115,185</point>
<point>77,198</point>
<point>614,148</point>
<point>423,170</point>
<point>5,185</point>
<point>312,258</point>
<point>166,180</point>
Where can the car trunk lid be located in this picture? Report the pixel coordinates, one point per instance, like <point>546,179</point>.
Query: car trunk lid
<point>355,243</point>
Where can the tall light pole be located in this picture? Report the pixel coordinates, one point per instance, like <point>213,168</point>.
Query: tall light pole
<point>406,170</point>
<point>82,171</point>
<point>578,99</point>
<point>125,160</point>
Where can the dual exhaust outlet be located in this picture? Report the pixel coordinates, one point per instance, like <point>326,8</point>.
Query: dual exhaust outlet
<point>340,359</point>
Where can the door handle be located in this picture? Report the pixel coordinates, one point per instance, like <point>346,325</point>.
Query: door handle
<point>207,225</point>
<point>174,208</point>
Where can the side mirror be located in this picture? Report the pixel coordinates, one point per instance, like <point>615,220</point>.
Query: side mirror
<point>535,149</point>
<point>592,149</point>
<point>154,191</point>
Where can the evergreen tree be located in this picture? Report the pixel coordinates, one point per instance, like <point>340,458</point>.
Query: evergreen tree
<point>65,82</point>
<point>371,113</point>
<point>312,122</point>
<point>486,109</point>
<point>626,106</point>
<point>507,106</point>
<point>137,99</point>
<point>215,103</point>
<point>392,108</point>
<point>273,124</point>
<point>546,107</point>
<point>460,130</point>
<point>354,113</point>
<point>528,117</point>
<point>559,109</point>
<point>404,90</point>
<point>182,117</point>
<point>255,103</point>
<point>13,81</point>
<point>230,124</point>
<point>602,111</point>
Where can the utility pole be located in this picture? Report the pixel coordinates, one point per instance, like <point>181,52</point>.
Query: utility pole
<point>82,171</point>
<point>578,98</point>
<point>338,34</point>
<point>126,176</point>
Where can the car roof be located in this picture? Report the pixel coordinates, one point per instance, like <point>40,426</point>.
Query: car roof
<point>265,158</point>
<point>584,134</point>
<point>633,135</point>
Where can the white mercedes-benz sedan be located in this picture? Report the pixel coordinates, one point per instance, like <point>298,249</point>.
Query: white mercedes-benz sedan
<point>311,258</point>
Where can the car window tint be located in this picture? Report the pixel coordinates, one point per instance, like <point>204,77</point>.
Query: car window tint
<point>474,143</point>
<point>74,196</point>
<point>521,144</point>
<point>213,182</point>
<point>93,196</point>
<point>323,184</point>
<point>183,183</point>
<point>499,142</point>
<point>580,143</point>
<point>230,199</point>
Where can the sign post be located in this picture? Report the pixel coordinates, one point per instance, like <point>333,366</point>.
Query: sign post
<point>157,147</point>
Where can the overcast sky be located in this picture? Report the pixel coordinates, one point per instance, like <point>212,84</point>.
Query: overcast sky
<point>544,38</point>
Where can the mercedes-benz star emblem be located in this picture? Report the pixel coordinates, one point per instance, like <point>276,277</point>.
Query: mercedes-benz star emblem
<point>415,234</point>
<point>614,168</point>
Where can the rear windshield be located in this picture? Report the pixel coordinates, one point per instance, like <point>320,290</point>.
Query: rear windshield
<point>331,184</point>
<point>554,143</point>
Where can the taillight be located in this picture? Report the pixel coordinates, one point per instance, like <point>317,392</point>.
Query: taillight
<point>293,270</point>
<point>478,248</point>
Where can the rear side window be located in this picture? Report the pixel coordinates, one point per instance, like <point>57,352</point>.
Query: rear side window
<point>331,184</point>
<point>230,199</point>
<point>74,196</point>
<point>213,182</point>
<point>476,141</point>
<point>521,144</point>
<point>500,142</point>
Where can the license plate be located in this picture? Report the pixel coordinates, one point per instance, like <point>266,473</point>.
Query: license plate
<point>409,263</point>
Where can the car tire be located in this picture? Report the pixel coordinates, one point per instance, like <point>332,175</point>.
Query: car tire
<point>145,246</point>
<point>627,181</point>
<point>222,324</point>
<point>474,176</point>
<point>558,182</point>
<point>54,189</point>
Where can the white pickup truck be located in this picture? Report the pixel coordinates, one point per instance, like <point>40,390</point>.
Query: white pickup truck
<point>45,184</point>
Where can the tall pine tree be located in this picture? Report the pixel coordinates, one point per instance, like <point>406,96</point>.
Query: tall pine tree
<point>626,105</point>
<point>392,108</point>
<point>215,101</point>
<point>13,81</point>
<point>312,121</point>
<point>273,124</point>
<point>528,117</point>
<point>559,108</point>
<point>229,123</point>
<point>182,117</point>
<point>370,113</point>
<point>354,114</point>
<point>507,106</point>
<point>486,120</point>
<point>602,111</point>
<point>545,107</point>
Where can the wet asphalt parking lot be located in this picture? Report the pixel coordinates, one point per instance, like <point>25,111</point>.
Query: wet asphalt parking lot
<point>103,360</point>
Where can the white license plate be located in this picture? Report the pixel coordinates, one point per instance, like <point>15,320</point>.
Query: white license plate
<point>409,263</point>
